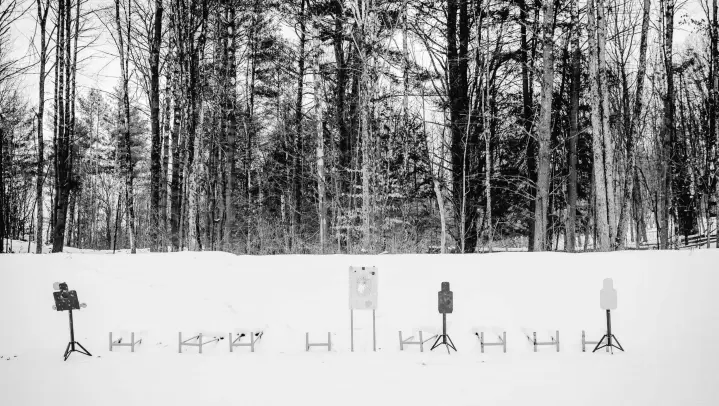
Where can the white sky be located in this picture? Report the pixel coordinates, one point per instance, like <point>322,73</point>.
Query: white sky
<point>100,68</point>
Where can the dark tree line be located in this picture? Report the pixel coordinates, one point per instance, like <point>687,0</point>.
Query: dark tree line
<point>367,126</point>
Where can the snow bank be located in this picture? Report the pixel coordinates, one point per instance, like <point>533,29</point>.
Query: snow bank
<point>667,320</point>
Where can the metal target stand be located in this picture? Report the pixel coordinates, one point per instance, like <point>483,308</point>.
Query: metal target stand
<point>608,301</point>
<point>363,282</point>
<point>199,343</point>
<point>446,340</point>
<point>553,343</point>
<point>585,342</point>
<point>352,330</point>
<point>609,336</point>
<point>408,341</point>
<point>71,345</point>
<point>501,343</point>
<point>66,299</point>
<point>119,343</point>
<point>328,344</point>
<point>445,304</point>
<point>254,338</point>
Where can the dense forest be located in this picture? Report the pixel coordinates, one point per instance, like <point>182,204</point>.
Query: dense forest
<point>360,126</point>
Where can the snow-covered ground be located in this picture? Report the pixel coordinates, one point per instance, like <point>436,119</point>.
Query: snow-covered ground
<point>667,320</point>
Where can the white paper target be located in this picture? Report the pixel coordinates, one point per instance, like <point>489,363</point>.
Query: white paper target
<point>608,295</point>
<point>363,287</point>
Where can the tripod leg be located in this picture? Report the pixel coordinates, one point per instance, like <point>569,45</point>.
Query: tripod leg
<point>86,352</point>
<point>599,343</point>
<point>436,343</point>
<point>67,352</point>
<point>451,344</point>
<point>617,342</point>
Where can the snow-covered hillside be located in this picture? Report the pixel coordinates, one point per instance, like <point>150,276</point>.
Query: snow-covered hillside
<point>667,320</point>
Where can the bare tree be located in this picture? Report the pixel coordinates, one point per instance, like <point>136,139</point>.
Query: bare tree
<point>124,69</point>
<point>600,185</point>
<point>544,132</point>
<point>42,12</point>
<point>321,194</point>
<point>573,131</point>
<point>667,129</point>
<point>635,128</point>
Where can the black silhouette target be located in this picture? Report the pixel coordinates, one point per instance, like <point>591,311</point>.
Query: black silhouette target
<point>446,299</point>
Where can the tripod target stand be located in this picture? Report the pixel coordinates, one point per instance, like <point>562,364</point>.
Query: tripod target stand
<point>446,339</point>
<point>608,301</point>
<point>71,345</point>
<point>66,299</point>
<point>445,304</point>
<point>608,337</point>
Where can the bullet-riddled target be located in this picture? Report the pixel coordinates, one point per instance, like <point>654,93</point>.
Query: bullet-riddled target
<point>363,287</point>
<point>446,299</point>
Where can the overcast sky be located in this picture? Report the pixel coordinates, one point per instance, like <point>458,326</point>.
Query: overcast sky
<point>100,68</point>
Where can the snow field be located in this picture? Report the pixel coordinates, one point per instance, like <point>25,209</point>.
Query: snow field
<point>667,319</point>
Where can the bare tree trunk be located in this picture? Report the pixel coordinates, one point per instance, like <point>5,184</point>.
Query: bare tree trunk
<point>63,166</point>
<point>606,133</point>
<point>71,219</point>
<point>457,37</point>
<point>42,21</point>
<point>600,192</point>
<point>544,132</point>
<point>124,64</point>
<point>321,194</point>
<point>527,120</point>
<point>488,183</point>
<point>573,132</point>
<point>295,214</point>
<point>365,122</point>
<point>713,116</point>
<point>71,102</point>
<point>117,221</point>
<point>166,153</point>
<point>634,132</point>
<point>249,126</point>
<point>667,131</point>
<point>155,154</point>
<point>57,96</point>
<point>405,88</point>
<point>435,181</point>
<point>231,100</point>
<point>178,54</point>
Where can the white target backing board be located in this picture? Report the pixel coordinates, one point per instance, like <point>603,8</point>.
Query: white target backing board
<point>608,295</point>
<point>363,287</point>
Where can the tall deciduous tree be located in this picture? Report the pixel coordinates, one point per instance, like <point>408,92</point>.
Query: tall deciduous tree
<point>634,132</point>
<point>667,129</point>
<point>156,144</point>
<point>124,77</point>
<point>573,130</point>
<point>321,186</point>
<point>544,131</point>
<point>42,12</point>
<point>600,185</point>
<point>64,137</point>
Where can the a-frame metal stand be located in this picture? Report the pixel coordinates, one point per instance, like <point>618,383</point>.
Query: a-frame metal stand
<point>71,345</point>
<point>446,340</point>
<point>607,338</point>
